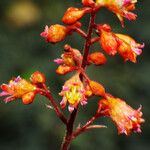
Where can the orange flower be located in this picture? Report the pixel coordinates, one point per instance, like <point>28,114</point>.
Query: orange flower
<point>97,58</point>
<point>63,69</point>
<point>37,77</point>
<point>112,43</point>
<point>17,88</point>
<point>69,61</point>
<point>121,8</point>
<point>73,92</point>
<point>88,2</point>
<point>55,33</point>
<point>125,117</point>
<point>72,15</point>
<point>107,39</point>
<point>128,48</point>
<point>97,88</point>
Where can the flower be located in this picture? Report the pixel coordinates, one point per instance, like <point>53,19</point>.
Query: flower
<point>55,33</point>
<point>112,43</point>
<point>69,61</point>
<point>88,2</point>
<point>121,8</point>
<point>129,49</point>
<point>73,92</point>
<point>18,88</point>
<point>97,58</point>
<point>107,39</point>
<point>97,88</point>
<point>72,15</point>
<point>37,77</point>
<point>125,117</point>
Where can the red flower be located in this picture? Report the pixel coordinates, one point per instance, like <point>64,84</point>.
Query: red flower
<point>125,117</point>
<point>18,88</point>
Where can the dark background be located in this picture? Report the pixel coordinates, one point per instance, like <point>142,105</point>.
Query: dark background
<point>23,51</point>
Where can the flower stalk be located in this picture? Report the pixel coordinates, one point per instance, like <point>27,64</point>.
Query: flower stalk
<point>77,90</point>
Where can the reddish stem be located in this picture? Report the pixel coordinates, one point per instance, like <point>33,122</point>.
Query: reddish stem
<point>68,137</point>
<point>81,32</point>
<point>85,127</point>
<point>48,94</point>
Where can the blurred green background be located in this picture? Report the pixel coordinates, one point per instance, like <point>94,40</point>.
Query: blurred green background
<point>23,51</point>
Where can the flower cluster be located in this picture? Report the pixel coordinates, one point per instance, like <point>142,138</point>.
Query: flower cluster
<point>21,88</point>
<point>77,90</point>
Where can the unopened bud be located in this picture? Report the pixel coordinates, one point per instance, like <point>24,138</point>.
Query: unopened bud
<point>97,88</point>
<point>37,77</point>
<point>97,58</point>
<point>28,98</point>
<point>55,33</point>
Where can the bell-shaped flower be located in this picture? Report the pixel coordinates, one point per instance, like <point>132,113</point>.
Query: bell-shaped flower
<point>107,39</point>
<point>73,92</point>
<point>18,88</point>
<point>129,49</point>
<point>125,117</point>
<point>122,8</point>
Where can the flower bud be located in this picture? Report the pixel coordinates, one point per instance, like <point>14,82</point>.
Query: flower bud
<point>28,98</point>
<point>97,88</point>
<point>37,77</point>
<point>55,33</point>
<point>63,69</point>
<point>88,2</point>
<point>72,15</point>
<point>97,58</point>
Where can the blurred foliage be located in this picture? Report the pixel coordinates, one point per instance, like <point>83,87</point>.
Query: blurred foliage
<point>23,51</point>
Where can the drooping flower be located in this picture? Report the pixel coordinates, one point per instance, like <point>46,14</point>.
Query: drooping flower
<point>125,117</point>
<point>18,88</point>
<point>122,8</point>
<point>107,39</point>
<point>55,33</point>
<point>97,58</point>
<point>112,43</point>
<point>72,15</point>
<point>129,49</point>
<point>73,92</point>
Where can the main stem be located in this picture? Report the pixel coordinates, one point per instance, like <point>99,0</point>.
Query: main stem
<point>68,137</point>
